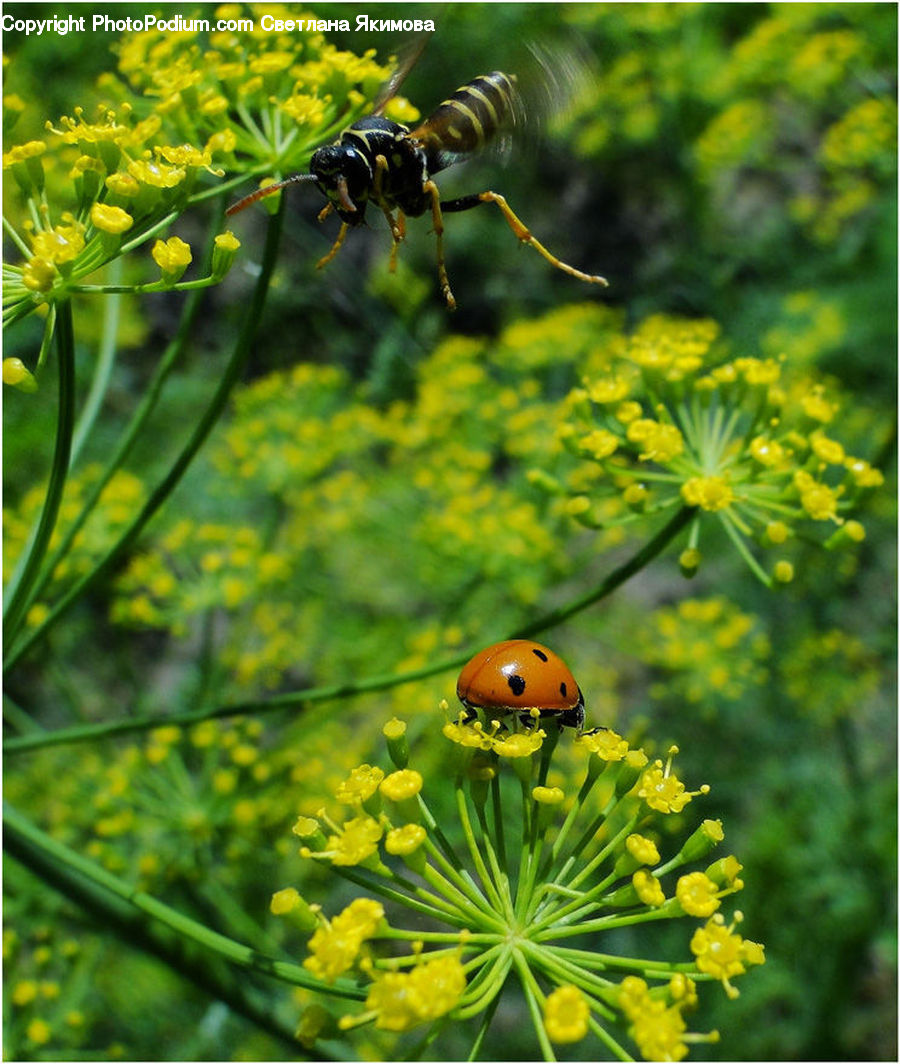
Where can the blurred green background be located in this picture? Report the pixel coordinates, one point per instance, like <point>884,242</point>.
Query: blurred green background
<point>365,507</point>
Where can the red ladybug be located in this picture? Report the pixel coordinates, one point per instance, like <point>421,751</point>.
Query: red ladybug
<point>519,675</point>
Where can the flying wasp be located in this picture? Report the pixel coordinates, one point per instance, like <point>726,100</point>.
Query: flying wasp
<point>383,162</point>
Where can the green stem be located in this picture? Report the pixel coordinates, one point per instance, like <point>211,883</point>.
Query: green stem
<point>20,834</point>
<point>532,996</point>
<point>106,356</point>
<point>139,418</point>
<point>227,381</point>
<point>20,596</point>
<point>87,733</point>
<point>615,579</point>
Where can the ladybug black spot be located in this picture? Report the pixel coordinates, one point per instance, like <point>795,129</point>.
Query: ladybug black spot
<point>516,684</point>
<point>539,653</point>
<point>562,689</point>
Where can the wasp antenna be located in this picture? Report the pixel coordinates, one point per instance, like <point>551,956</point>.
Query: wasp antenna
<point>260,193</point>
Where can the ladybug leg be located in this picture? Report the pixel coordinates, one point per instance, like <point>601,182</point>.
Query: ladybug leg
<point>573,718</point>
<point>468,715</point>
<point>528,719</point>
<point>335,247</point>
<point>465,203</point>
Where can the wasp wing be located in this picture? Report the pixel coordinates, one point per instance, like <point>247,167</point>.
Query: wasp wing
<point>408,58</point>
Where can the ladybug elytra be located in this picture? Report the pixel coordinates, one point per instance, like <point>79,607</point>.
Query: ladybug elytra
<point>519,675</point>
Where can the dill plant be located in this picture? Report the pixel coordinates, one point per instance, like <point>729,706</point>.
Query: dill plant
<point>667,431</point>
<point>536,881</point>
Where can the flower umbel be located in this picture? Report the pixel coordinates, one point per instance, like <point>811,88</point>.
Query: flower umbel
<point>535,872</point>
<point>671,421</point>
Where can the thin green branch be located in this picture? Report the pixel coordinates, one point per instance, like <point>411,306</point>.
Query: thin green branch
<point>293,699</point>
<point>106,357</point>
<point>139,418</point>
<point>19,834</point>
<point>20,596</point>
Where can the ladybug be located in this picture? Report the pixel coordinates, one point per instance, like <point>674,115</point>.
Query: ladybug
<point>519,675</point>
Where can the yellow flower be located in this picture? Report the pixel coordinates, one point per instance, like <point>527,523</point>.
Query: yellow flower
<point>401,842</point>
<point>642,849</point>
<point>648,888</point>
<point>334,948</point>
<point>60,244</point>
<point>471,735</point>
<point>172,255</point>
<point>359,786</point>
<point>662,790</point>
<point>24,992</point>
<point>709,493</point>
<point>767,452</point>
<point>403,1000</point>
<point>357,840</point>
<point>723,954</point>
<point>566,1015</point>
<point>605,743</point>
<point>21,152</point>
<point>599,444</point>
<point>697,894</point>
<point>403,784</point>
<point>155,174</point>
<point>819,501</point>
<point>519,744</point>
<point>39,274</point>
<point>661,443</point>
<point>38,1032</point>
<point>110,219</point>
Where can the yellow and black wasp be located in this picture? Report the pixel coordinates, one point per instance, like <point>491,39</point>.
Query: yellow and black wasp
<point>383,162</point>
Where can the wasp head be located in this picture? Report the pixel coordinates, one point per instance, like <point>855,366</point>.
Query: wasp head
<point>343,175</point>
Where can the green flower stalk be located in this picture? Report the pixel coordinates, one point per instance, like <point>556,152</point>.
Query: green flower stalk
<point>525,885</point>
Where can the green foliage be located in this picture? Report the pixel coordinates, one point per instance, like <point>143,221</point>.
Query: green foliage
<point>253,511</point>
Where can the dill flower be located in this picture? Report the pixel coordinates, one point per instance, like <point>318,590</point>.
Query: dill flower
<point>527,868</point>
<point>709,651</point>
<point>662,419</point>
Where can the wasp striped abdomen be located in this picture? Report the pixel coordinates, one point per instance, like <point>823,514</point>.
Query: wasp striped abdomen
<point>469,119</point>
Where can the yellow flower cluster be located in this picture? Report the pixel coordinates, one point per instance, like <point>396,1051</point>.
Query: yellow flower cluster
<point>600,875</point>
<point>250,102</point>
<point>756,90</point>
<point>46,1002</point>
<point>115,508</point>
<point>722,953</point>
<point>401,1000</point>
<point>260,101</point>
<point>663,418</point>
<point>200,566</point>
<point>656,1021</point>
<point>709,650</point>
<point>334,948</point>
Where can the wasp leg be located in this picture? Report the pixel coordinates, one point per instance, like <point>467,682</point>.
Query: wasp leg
<point>431,189</point>
<point>324,212</point>
<point>395,247</point>
<point>465,203</point>
<point>397,231</point>
<point>335,247</point>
